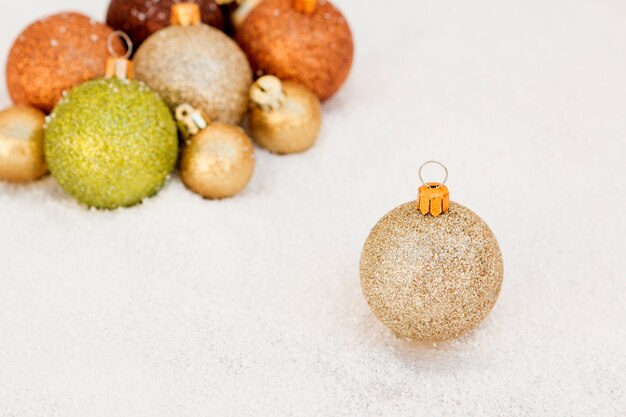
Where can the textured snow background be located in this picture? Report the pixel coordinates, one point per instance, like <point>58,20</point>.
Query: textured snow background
<point>252,306</point>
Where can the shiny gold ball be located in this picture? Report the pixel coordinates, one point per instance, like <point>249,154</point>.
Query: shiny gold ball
<point>315,49</point>
<point>21,144</point>
<point>54,55</point>
<point>431,278</point>
<point>198,65</point>
<point>290,127</point>
<point>218,162</point>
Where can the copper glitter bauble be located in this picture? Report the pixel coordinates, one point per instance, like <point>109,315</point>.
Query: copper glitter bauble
<point>315,49</point>
<point>141,18</point>
<point>284,117</point>
<point>218,159</point>
<point>21,144</point>
<point>54,55</point>
<point>198,65</point>
<point>431,278</point>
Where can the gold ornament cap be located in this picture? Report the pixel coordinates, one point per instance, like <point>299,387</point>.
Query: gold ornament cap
<point>267,93</point>
<point>190,120</point>
<point>186,14</point>
<point>120,66</point>
<point>433,197</point>
<point>305,6</point>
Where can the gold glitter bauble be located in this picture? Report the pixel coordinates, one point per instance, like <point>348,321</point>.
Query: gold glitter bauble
<point>431,278</point>
<point>111,143</point>
<point>54,55</point>
<point>21,144</point>
<point>198,65</point>
<point>288,122</point>
<point>315,49</point>
<point>218,162</point>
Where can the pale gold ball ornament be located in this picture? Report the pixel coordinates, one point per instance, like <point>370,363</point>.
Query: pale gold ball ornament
<point>217,159</point>
<point>432,270</point>
<point>190,62</point>
<point>285,117</point>
<point>21,144</point>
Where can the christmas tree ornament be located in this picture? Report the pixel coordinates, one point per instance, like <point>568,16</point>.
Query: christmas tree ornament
<point>141,18</point>
<point>43,61</point>
<point>240,10</point>
<point>308,41</point>
<point>193,63</point>
<point>218,159</point>
<point>285,117</point>
<point>21,144</point>
<point>432,270</point>
<point>111,142</point>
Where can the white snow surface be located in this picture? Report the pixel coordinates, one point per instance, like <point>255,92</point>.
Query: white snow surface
<point>252,306</point>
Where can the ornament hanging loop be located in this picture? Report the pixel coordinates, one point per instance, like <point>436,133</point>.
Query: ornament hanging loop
<point>119,66</point>
<point>433,197</point>
<point>433,184</point>
<point>123,36</point>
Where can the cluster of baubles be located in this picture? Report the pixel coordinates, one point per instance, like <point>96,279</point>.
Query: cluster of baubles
<point>112,130</point>
<point>431,270</point>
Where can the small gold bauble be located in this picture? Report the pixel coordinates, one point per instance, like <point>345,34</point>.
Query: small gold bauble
<point>431,278</point>
<point>199,65</point>
<point>21,144</point>
<point>284,118</point>
<point>218,162</point>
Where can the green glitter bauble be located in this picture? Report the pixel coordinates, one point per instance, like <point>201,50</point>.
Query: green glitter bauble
<point>111,143</point>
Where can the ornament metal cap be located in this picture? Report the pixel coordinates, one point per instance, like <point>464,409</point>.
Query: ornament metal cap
<point>186,14</point>
<point>119,66</point>
<point>267,93</point>
<point>305,6</point>
<point>190,121</point>
<point>433,197</point>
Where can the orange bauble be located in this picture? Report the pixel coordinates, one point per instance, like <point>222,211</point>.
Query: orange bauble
<point>303,40</point>
<point>54,55</point>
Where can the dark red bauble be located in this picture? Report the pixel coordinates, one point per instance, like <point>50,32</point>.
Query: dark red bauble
<point>141,18</point>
